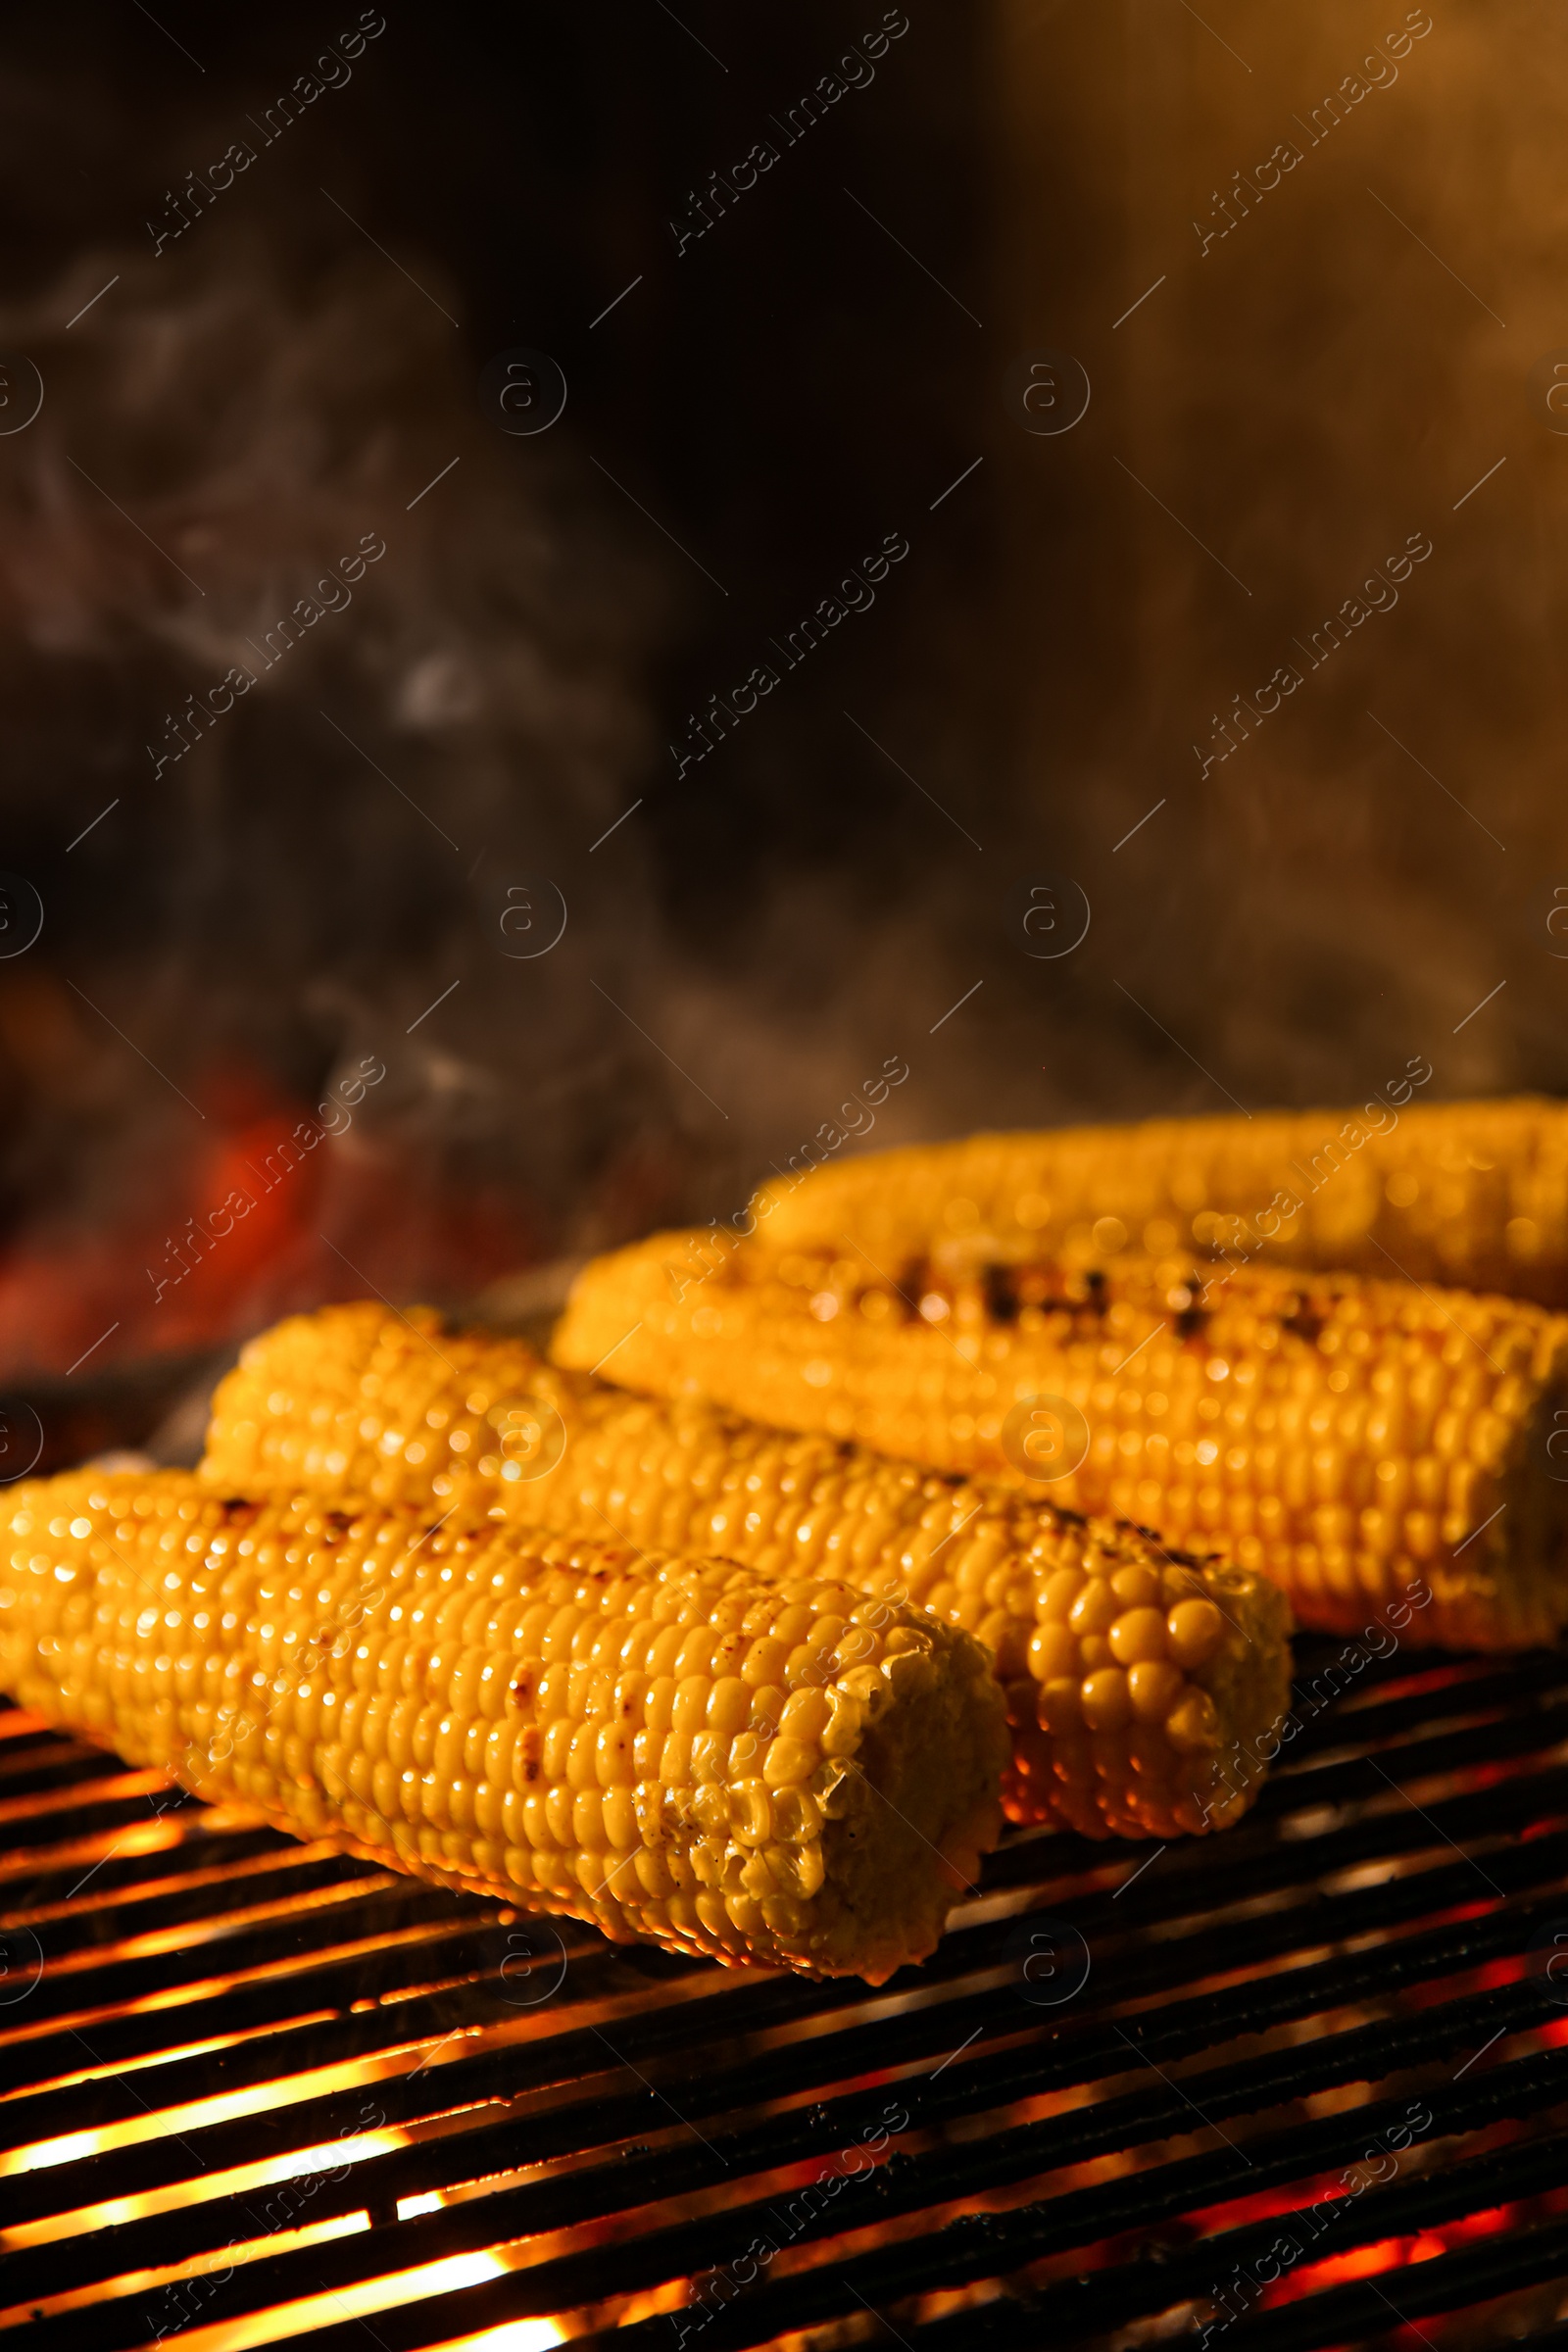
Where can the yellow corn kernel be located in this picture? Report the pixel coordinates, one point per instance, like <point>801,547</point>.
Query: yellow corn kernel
<point>1249,1413</point>
<point>978,1553</point>
<point>94,1564</point>
<point>1470,1194</point>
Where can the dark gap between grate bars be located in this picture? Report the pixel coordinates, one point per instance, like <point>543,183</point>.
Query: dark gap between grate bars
<point>1341,1927</point>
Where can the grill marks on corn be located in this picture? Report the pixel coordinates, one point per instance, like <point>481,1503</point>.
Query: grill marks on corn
<point>666,1746</point>
<point>1349,1439</point>
<point>1001,1293</point>
<point>1469,1193</point>
<point>973,1553</point>
<point>1304,1322</point>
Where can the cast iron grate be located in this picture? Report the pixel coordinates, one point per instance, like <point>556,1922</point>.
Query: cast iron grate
<point>276,2086</point>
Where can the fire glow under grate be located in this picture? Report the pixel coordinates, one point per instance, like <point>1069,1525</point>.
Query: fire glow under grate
<point>1303,2085</point>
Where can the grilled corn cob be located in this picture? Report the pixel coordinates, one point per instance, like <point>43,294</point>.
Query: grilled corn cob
<point>729,1762</point>
<point>1346,1437</point>
<point>357,1401</point>
<point>1469,1193</point>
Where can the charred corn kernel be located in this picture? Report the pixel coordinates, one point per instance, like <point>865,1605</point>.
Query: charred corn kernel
<point>311,1403</point>
<point>1376,1447</point>
<point>98,1571</point>
<point>1469,1193</point>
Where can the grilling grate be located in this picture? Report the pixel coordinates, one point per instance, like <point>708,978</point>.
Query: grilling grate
<point>275,2085</point>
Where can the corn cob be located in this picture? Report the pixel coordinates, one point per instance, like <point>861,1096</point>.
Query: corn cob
<point>761,1768</point>
<point>1346,1437</point>
<point>1469,1193</point>
<point>354,1401</point>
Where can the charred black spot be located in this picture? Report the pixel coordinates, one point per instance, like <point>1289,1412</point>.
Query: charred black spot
<point>1043,1291</point>
<point>1305,1322</point>
<point>913,1281</point>
<point>1001,1288</point>
<point>1191,1322</point>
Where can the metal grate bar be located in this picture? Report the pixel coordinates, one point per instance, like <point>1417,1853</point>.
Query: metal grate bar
<point>1333,1918</point>
<point>193,1848</point>
<point>142,1976</point>
<point>797,2137</point>
<point>1504,2265</point>
<point>508,2072</point>
<point>1061,2059</point>
<point>660,2085</point>
<point>274,2050</point>
<point>975,2247</point>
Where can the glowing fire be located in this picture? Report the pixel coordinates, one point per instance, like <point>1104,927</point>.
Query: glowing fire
<point>282,2323</point>
<point>241,1230</point>
<point>522,2335</point>
<point>439,2277</point>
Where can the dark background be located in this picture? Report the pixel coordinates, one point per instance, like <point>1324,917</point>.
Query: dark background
<point>745,423</point>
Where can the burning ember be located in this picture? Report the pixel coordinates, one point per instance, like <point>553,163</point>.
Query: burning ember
<point>271,1206</point>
